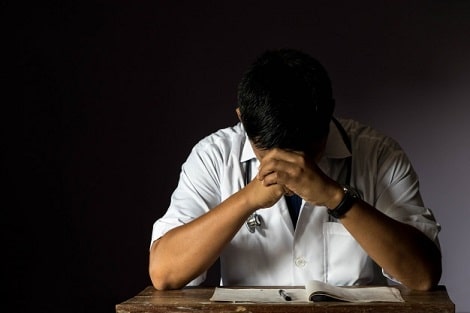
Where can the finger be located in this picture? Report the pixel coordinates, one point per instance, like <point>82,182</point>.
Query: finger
<point>267,167</point>
<point>270,179</point>
<point>288,192</point>
<point>279,160</point>
<point>275,165</point>
<point>265,196</point>
<point>288,155</point>
<point>282,173</point>
<point>285,190</point>
<point>283,179</point>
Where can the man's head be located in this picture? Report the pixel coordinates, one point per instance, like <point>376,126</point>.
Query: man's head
<point>285,101</point>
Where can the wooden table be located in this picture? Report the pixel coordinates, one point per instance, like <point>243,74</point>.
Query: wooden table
<point>196,299</point>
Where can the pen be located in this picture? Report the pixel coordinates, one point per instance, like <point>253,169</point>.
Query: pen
<point>284,295</point>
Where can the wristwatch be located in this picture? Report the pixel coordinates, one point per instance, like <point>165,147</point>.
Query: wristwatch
<point>350,197</point>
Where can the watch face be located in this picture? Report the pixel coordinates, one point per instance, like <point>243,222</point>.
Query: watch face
<point>350,196</point>
<point>352,191</point>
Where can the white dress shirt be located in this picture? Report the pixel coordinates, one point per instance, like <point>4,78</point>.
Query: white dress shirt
<point>318,248</point>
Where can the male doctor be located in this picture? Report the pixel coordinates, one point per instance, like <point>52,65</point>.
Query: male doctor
<point>291,194</point>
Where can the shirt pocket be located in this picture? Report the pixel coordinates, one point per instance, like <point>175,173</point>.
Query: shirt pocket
<point>346,263</point>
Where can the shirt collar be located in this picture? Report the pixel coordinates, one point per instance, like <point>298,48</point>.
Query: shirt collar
<point>335,146</point>
<point>247,151</point>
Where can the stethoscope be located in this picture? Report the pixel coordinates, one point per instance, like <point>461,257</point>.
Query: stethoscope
<point>255,220</point>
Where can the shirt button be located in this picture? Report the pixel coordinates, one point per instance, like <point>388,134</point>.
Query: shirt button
<point>300,262</point>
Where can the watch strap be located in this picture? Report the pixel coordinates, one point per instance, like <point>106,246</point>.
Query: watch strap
<point>346,203</point>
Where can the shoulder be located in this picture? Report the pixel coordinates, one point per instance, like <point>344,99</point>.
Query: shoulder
<point>364,136</point>
<point>377,153</point>
<point>358,129</point>
<point>223,138</point>
<point>221,144</point>
<point>224,134</point>
<point>381,160</point>
<point>375,150</point>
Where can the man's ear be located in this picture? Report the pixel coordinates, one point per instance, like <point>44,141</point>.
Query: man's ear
<point>238,114</point>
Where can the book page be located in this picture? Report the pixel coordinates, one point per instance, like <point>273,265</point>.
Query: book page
<point>320,291</point>
<point>255,295</point>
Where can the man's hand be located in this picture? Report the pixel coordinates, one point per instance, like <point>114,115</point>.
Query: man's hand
<point>262,196</point>
<point>299,173</point>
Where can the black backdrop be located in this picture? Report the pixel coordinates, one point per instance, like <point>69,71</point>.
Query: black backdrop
<point>103,100</point>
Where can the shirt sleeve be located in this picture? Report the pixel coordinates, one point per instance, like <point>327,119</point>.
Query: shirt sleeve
<point>196,193</point>
<point>400,199</point>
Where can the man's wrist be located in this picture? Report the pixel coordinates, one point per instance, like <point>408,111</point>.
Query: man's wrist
<point>336,197</point>
<point>350,196</point>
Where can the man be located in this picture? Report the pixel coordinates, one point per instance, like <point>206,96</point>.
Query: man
<point>292,194</point>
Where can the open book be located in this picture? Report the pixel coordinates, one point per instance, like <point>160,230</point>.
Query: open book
<point>314,291</point>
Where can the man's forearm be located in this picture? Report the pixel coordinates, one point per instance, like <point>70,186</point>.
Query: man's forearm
<point>187,251</point>
<point>401,250</point>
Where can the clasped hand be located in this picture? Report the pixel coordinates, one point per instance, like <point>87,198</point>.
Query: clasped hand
<point>283,172</point>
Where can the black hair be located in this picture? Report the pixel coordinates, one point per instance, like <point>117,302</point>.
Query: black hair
<point>285,101</point>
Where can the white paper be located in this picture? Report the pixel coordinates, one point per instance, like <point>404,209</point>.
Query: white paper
<point>301,295</point>
<point>258,295</point>
<point>355,294</point>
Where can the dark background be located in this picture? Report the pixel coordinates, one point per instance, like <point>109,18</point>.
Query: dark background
<point>102,102</point>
